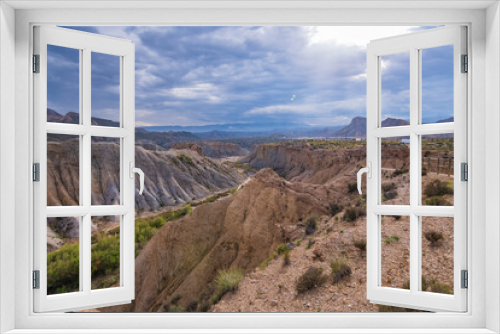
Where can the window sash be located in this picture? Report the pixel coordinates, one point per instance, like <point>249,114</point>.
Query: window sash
<point>414,298</point>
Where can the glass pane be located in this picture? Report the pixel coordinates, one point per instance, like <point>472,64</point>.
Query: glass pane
<point>437,254</point>
<point>395,169</point>
<point>63,255</point>
<point>63,85</point>
<point>437,84</point>
<point>105,171</point>
<point>63,170</point>
<point>105,90</point>
<point>437,170</point>
<point>105,252</point>
<point>395,251</point>
<point>395,89</point>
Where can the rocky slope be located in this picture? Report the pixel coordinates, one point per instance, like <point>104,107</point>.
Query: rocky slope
<point>239,231</point>
<point>219,149</point>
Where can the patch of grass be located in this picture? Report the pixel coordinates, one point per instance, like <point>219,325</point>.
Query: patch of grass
<point>298,242</point>
<point>312,278</point>
<point>431,285</point>
<point>310,242</point>
<point>437,188</point>
<point>360,244</point>
<point>391,239</point>
<point>192,306</point>
<point>437,201</point>
<point>185,159</point>
<point>286,257</point>
<point>340,270</point>
<point>264,264</point>
<point>434,237</point>
<point>226,281</point>
<point>281,249</point>
<point>341,230</point>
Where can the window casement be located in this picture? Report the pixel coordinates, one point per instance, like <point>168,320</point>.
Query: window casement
<point>379,288</point>
<point>84,132</point>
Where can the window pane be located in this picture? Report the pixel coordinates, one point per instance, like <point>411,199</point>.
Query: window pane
<point>438,170</point>
<point>395,89</point>
<point>395,169</point>
<point>105,171</point>
<point>437,84</point>
<point>63,255</point>
<point>63,85</point>
<point>395,251</point>
<point>105,90</point>
<point>437,254</point>
<point>63,170</point>
<point>105,252</point>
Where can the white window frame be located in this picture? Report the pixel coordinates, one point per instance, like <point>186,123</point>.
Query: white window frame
<point>483,102</point>
<point>86,43</point>
<point>413,44</point>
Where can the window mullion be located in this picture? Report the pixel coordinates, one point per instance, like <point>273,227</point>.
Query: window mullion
<point>414,169</point>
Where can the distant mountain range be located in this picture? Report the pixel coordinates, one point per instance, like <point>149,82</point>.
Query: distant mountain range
<point>166,136</point>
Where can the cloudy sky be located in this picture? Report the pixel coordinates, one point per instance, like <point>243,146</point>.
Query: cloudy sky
<point>251,75</point>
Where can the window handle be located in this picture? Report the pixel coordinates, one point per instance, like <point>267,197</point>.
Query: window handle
<point>135,170</point>
<point>368,171</point>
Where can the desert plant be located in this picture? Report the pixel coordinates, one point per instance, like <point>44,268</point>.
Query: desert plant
<point>310,242</point>
<point>226,281</point>
<point>335,209</point>
<point>192,306</point>
<point>437,188</point>
<point>286,257</point>
<point>352,187</point>
<point>390,239</point>
<point>400,171</point>
<point>360,244</point>
<point>311,225</point>
<point>431,285</point>
<point>340,269</point>
<point>437,201</point>
<point>185,159</point>
<point>434,237</point>
<point>264,264</point>
<point>352,213</point>
<point>298,242</point>
<point>281,249</point>
<point>313,277</point>
<point>388,186</point>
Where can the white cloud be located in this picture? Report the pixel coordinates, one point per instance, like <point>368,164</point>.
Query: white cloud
<point>311,109</point>
<point>207,92</point>
<point>355,35</point>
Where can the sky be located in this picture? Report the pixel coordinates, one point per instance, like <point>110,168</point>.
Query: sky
<point>193,76</point>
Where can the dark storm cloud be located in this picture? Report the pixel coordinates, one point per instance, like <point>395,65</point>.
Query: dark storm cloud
<point>215,75</point>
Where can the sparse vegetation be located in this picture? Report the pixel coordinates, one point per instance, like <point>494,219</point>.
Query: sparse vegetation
<point>352,187</point>
<point>391,239</point>
<point>310,242</point>
<point>226,281</point>
<point>431,285</point>
<point>340,270</point>
<point>352,213</point>
<point>434,237</point>
<point>286,257</point>
<point>185,159</point>
<point>401,171</point>
<point>311,225</point>
<point>360,244</point>
<point>437,201</point>
<point>388,186</point>
<point>298,242</point>
<point>437,188</point>
<point>311,279</point>
<point>264,264</point>
<point>335,209</point>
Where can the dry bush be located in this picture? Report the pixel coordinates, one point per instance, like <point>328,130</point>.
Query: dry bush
<point>437,188</point>
<point>340,270</point>
<point>352,187</point>
<point>360,244</point>
<point>437,201</point>
<point>311,225</point>
<point>311,279</point>
<point>388,186</point>
<point>434,237</point>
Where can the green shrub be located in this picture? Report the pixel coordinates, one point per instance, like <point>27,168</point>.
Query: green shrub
<point>335,209</point>
<point>437,188</point>
<point>431,285</point>
<point>340,270</point>
<point>433,237</point>
<point>192,306</point>
<point>264,264</point>
<point>437,201</point>
<point>352,213</point>
<point>311,225</point>
<point>286,257</point>
<point>281,249</point>
<point>312,278</point>
<point>400,172</point>
<point>360,244</point>
<point>390,239</point>
<point>298,242</point>
<point>352,187</point>
<point>185,159</point>
<point>388,186</point>
<point>226,281</point>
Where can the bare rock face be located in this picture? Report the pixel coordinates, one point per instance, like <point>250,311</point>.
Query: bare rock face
<point>300,162</point>
<point>189,146</point>
<point>238,231</point>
